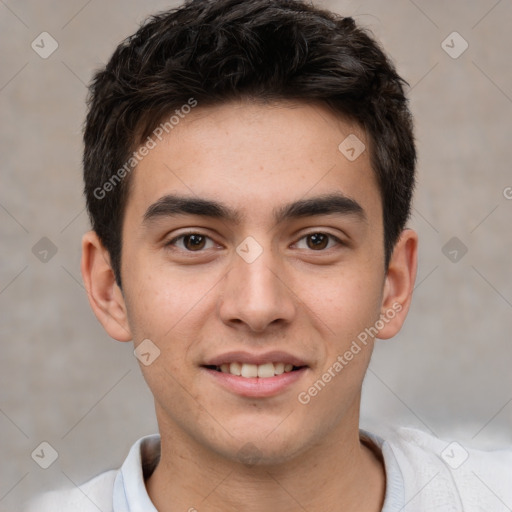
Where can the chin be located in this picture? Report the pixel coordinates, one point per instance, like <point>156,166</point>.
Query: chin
<point>259,449</point>
<point>255,455</point>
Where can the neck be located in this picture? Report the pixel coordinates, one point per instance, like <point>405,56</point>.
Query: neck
<point>338,473</point>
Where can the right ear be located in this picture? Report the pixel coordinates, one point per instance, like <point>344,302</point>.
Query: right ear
<point>105,296</point>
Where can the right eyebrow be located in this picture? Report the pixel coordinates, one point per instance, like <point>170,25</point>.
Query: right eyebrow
<point>172,205</point>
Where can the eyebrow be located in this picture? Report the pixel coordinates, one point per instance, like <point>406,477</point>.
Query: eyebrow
<point>173,205</point>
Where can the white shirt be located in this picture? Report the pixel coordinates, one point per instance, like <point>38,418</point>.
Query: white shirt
<point>423,474</point>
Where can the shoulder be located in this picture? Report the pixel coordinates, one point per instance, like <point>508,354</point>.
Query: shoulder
<point>115,488</point>
<point>474,478</point>
<point>94,495</point>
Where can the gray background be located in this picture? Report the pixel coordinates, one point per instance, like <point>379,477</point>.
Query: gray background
<point>63,381</point>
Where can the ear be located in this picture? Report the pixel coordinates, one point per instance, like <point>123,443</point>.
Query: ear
<point>105,296</point>
<point>399,284</point>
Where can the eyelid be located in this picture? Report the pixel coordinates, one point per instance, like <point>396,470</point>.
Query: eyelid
<point>340,238</point>
<point>339,241</point>
<point>172,241</point>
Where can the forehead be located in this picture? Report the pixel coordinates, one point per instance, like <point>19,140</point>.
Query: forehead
<point>255,158</point>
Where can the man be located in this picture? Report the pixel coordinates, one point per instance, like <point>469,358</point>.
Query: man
<point>249,168</point>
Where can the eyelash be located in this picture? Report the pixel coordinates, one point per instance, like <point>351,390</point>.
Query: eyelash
<point>183,235</point>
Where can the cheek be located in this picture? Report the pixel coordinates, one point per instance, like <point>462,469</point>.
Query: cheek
<point>169,313</point>
<point>348,307</point>
<point>162,302</point>
<point>345,304</point>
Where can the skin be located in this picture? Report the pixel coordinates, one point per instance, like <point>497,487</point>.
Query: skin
<point>222,451</point>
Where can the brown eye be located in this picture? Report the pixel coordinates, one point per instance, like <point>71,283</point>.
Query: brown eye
<point>194,242</point>
<point>317,241</point>
<point>191,242</point>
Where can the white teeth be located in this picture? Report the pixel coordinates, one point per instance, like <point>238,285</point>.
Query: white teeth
<point>256,370</point>
<point>266,370</point>
<point>249,370</point>
<point>234,369</point>
<point>278,368</point>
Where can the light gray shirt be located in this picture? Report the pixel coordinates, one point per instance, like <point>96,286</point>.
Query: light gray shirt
<point>423,473</point>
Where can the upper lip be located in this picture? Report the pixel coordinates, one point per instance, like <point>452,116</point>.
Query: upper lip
<point>242,357</point>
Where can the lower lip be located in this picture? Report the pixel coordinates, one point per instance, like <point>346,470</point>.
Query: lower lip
<point>256,386</point>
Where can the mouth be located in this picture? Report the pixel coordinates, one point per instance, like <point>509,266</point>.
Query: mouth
<point>251,371</point>
<point>256,375</point>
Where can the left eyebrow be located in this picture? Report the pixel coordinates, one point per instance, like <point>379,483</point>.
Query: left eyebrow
<point>173,205</point>
<point>321,205</point>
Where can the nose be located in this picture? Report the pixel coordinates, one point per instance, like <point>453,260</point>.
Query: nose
<point>255,295</point>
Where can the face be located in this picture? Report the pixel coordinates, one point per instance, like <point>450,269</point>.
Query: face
<point>253,246</point>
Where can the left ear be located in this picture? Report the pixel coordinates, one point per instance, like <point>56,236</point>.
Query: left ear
<point>399,284</point>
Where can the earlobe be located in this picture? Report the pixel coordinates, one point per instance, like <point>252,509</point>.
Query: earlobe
<point>399,284</point>
<point>105,296</point>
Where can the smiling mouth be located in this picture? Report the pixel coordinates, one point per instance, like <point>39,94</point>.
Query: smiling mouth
<point>249,371</point>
